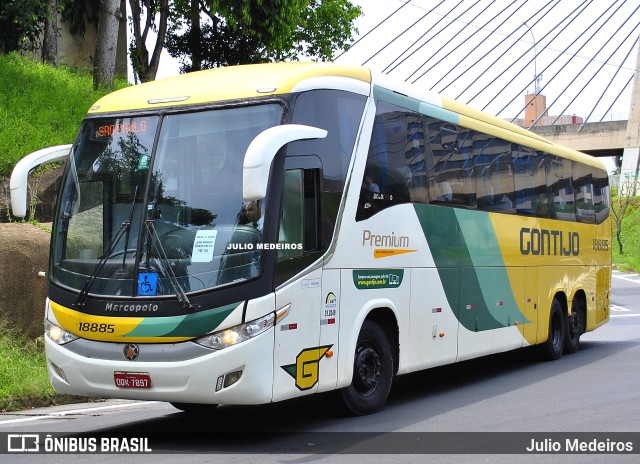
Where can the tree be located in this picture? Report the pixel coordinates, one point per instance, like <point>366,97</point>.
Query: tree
<point>50,40</point>
<point>248,31</point>
<point>104,60</point>
<point>145,66</point>
<point>624,199</point>
<point>21,24</point>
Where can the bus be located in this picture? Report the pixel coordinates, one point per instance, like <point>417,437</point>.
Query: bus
<point>251,234</point>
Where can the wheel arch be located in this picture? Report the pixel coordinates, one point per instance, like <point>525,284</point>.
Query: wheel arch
<point>388,322</point>
<point>580,295</point>
<point>384,313</point>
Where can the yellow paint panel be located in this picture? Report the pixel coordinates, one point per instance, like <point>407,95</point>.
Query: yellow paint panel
<point>220,84</point>
<point>104,328</point>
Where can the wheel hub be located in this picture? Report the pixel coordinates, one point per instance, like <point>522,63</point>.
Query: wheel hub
<point>368,369</point>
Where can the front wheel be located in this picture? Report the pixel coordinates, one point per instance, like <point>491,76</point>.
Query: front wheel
<point>372,372</point>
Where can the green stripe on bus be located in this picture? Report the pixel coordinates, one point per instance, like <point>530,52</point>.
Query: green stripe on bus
<point>488,264</point>
<point>470,265</point>
<point>190,325</point>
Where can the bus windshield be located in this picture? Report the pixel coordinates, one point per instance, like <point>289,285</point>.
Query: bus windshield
<point>150,206</point>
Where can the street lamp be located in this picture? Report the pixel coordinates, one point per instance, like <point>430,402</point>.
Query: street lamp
<point>536,78</point>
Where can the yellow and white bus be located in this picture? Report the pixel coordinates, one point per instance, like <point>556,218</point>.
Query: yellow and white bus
<point>256,233</point>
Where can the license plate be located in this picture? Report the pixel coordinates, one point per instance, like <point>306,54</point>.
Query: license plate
<point>132,379</point>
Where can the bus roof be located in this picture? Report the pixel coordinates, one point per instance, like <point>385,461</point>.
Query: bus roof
<point>220,84</point>
<point>248,81</point>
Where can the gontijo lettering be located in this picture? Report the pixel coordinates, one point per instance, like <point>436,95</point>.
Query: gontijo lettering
<point>549,242</point>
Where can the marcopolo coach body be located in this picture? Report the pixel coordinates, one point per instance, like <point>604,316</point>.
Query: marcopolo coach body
<point>256,233</point>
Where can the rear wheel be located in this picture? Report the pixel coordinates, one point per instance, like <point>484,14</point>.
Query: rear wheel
<point>554,346</point>
<point>372,372</point>
<point>575,325</point>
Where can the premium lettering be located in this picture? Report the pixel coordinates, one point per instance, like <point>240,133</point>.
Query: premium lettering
<point>549,242</point>
<point>392,240</point>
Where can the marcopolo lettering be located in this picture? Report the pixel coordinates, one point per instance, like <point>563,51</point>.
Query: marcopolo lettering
<point>549,242</point>
<point>132,308</point>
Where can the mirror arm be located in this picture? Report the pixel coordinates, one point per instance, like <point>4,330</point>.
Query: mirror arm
<point>262,151</point>
<point>20,173</point>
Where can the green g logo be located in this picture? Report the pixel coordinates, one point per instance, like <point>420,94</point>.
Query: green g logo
<point>305,370</point>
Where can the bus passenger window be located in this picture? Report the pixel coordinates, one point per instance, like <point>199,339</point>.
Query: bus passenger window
<point>395,172</point>
<point>559,180</point>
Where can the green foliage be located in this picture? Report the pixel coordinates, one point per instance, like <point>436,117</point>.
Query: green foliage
<point>247,31</point>
<point>40,106</point>
<point>21,24</point>
<point>23,374</point>
<point>629,259</point>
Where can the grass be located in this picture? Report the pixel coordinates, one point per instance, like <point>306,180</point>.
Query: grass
<point>23,375</point>
<point>629,259</point>
<point>40,106</point>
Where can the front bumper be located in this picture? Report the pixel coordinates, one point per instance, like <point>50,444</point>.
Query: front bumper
<point>192,380</point>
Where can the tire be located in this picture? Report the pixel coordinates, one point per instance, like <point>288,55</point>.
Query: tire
<point>575,325</point>
<point>553,348</point>
<point>194,408</point>
<point>372,372</point>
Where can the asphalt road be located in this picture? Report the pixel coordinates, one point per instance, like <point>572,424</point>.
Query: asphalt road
<point>488,407</point>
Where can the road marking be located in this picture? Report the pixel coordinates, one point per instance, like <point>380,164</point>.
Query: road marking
<point>71,412</point>
<point>619,308</point>
<point>627,277</point>
<point>617,315</point>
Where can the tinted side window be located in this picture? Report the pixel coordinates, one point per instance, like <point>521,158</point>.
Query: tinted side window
<point>560,189</point>
<point>529,168</point>
<point>493,174</point>
<point>339,113</point>
<point>583,185</point>
<point>395,168</point>
<point>600,195</point>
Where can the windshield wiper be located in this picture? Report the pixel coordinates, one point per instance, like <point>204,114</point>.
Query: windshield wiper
<point>82,296</point>
<point>125,229</point>
<point>173,280</point>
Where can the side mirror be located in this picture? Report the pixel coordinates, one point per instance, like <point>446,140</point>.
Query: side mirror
<point>20,173</point>
<point>263,149</point>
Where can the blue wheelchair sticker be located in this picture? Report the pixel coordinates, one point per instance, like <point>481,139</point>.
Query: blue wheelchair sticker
<point>147,284</point>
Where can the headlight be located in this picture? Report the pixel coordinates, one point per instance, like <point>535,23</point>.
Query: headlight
<point>234,335</point>
<point>58,334</point>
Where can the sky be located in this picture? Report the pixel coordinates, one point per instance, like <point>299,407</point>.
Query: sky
<point>485,56</point>
<point>481,53</point>
<point>566,57</point>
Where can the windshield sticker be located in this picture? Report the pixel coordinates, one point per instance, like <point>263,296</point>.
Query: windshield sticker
<point>377,278</point>
<point>203,246</point>
<point>147,284</point>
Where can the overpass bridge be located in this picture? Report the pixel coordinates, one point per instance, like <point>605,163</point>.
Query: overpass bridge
<point>594,138</point>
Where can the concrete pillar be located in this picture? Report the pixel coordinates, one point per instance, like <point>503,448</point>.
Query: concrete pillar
<point>631,152</point>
